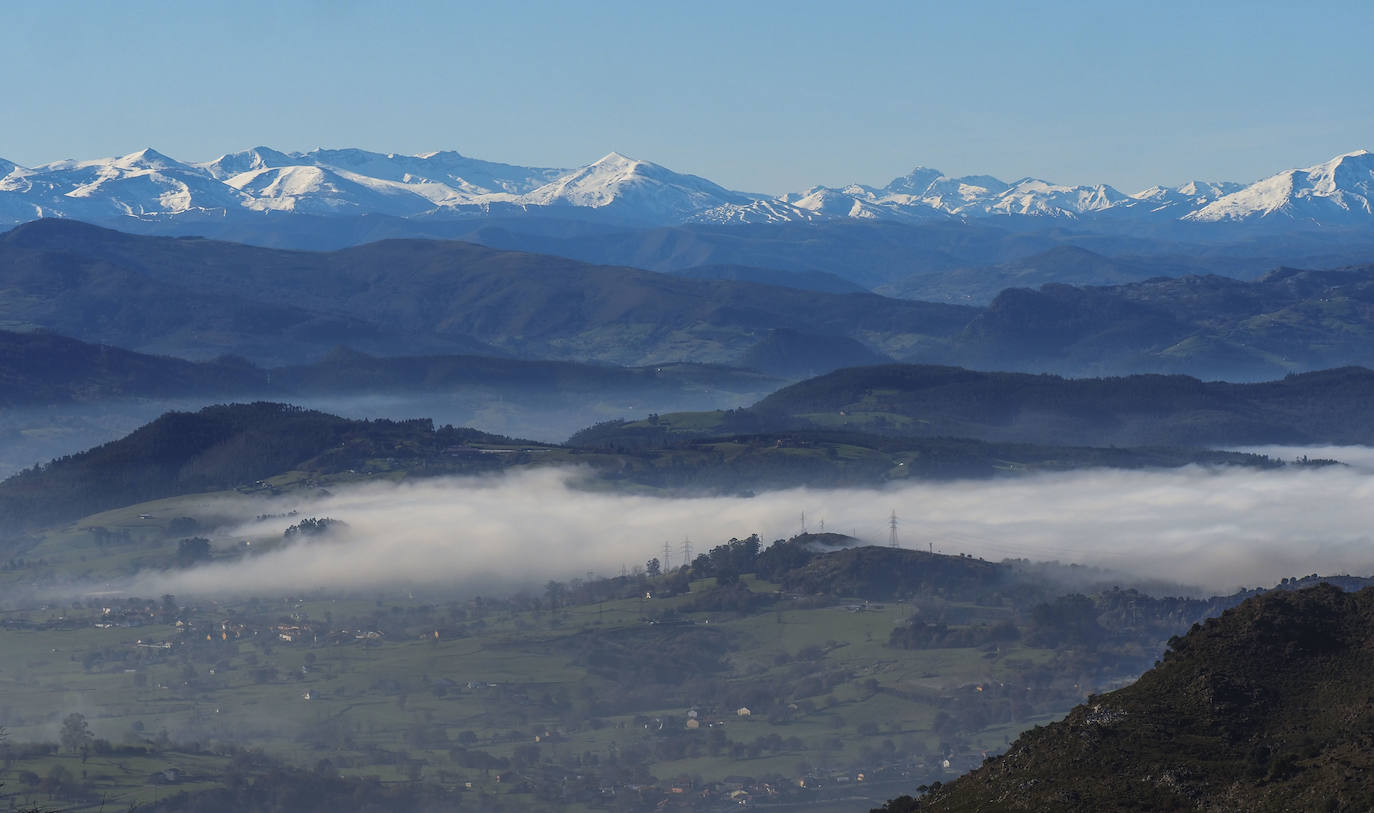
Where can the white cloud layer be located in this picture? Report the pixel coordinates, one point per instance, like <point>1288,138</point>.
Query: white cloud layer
<point>1217,529</point>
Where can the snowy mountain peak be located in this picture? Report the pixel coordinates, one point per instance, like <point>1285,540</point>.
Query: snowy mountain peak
<point>345,157</point>
<point>443,157</point>
<point>1336,191</point>
<point>235,163</point>
<point>916,181</point>
<point>1349,155</point>
<point>629,190</point>
<point>624,183</point>
<point>1163,202</point>
<point>616,163</point>
<point>823,200</point>
<point>1351,170</point>
<point>1033,196</point>
<point>1208,189</point>
<point>146,158</point>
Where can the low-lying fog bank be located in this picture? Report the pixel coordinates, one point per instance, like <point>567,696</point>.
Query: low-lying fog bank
<point>1216,529</point>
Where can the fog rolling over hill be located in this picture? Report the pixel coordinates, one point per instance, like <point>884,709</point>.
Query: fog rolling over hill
<point>464,484</point>
<point>1224,528</point>
<point>61,396</point>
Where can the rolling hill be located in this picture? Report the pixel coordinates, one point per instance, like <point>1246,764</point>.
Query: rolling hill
<point>218,447</point>
<point>200,298</point>
<point>925,401</point>
<point>59,395</point>
<point>45,369</point>
<point>48,369</point>
<point>1286,320</point>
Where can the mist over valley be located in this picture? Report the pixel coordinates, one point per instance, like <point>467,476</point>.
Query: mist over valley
<point>1206,530</point>
<point>342,480</point>
<point>428,524</point>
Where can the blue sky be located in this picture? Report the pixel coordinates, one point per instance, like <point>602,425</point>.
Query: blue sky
<point>757,95</point>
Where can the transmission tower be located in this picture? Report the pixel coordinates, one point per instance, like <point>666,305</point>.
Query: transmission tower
<point>686,551</point>
<point>667,557</point>
<point>892,530</point>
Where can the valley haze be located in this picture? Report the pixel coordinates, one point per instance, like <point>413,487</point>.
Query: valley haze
<point>793,387</point>
<point>629,408</point>
<point>1214,530</point>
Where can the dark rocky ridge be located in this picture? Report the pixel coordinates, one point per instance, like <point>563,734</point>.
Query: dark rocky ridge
<point>1268,707</point>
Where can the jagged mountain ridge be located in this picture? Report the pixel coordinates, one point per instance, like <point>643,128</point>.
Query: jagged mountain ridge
<point>1337,191</point>
<point>615,188</point>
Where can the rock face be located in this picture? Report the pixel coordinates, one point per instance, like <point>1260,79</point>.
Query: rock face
<point>1269,707</point>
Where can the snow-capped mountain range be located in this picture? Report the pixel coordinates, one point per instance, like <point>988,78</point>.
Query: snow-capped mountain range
<point>148,184</point>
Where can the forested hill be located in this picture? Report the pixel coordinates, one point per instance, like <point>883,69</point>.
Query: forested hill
<point>1264,708</point>
<point>1330,406</point>
<point>1206,325</point>
<point>45,368</point>
<point>1325,406</point>
<point>217,448</point>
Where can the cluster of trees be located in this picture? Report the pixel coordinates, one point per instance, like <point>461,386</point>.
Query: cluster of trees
<point>312,527</point>
<point>192,551</point>
<point>729,561</point>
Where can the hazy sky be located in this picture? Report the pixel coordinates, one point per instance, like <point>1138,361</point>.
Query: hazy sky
<point>760,95</point>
